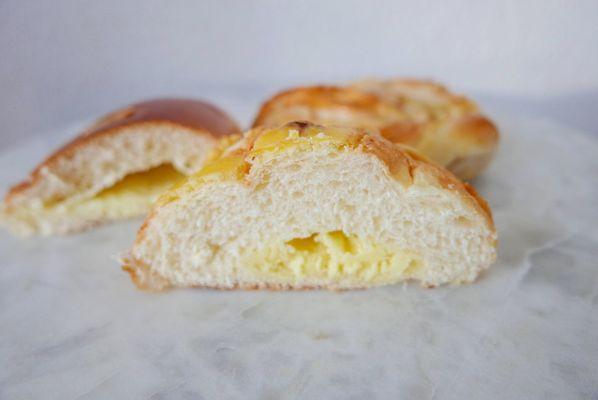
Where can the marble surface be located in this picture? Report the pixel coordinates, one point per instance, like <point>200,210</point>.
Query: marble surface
<point>72,326</point>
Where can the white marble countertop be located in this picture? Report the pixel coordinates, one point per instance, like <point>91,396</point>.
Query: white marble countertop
<point>72,326</point>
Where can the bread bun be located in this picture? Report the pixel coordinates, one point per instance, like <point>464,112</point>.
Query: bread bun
<point>117,167</point>
<point>304,206</point>
<point>446,128</point>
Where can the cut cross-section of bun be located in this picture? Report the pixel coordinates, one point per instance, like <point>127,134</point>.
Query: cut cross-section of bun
<point>305,206</point>
<point>116,168</point>
<point>447,128</point>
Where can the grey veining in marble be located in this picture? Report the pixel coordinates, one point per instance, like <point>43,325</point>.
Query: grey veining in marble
<point>72,326</point>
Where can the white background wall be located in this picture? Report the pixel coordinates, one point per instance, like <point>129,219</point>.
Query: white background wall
<point>66,59</point>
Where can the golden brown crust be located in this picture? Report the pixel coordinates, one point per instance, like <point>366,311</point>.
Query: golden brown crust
<point>481,201</point>
<point>478,136</point>
<point>143,277</point>
<point>429,96</point>
<point>321,96</point>
<point>198,116</point>
<point>406,132</point>
<point>446,127</point>
<point>404,164</point>
<point>476,130</point>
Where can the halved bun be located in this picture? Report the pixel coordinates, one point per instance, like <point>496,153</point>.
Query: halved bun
<point>117,167</point>
<point>306,206</point>
<point>446,128</point>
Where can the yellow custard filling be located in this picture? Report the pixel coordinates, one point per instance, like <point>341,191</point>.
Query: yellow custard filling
<point>128,197</point>
<point>333,256</point>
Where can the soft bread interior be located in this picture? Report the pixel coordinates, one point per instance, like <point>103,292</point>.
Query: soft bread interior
<point>328,217</point>
<point>110,177</point>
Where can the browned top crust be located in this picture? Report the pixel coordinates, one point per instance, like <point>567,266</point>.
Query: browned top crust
<point>447,128</point>
<point>323,96</point>
<point>194,114</point>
